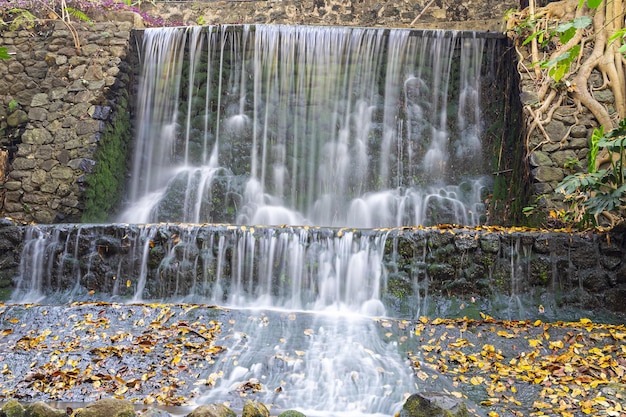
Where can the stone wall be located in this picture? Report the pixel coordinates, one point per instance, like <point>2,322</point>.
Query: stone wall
<point>440,14</point>
<point>56,103</point>
<point>560,147</point>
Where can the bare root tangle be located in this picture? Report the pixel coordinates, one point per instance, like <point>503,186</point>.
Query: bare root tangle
<point>605,57</point>
<point>596,55</point>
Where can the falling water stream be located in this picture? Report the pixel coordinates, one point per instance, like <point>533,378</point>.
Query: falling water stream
<point>297,126</point>
<point>323,126</point>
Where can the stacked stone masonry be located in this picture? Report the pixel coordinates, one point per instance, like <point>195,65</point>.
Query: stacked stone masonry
<point>56,101</point>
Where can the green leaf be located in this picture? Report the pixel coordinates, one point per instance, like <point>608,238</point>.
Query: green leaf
<point>4,54</point>
<point>594,148</point>
<point>563,27</point>
<point>582,22</point>
<point>613,145</point>
<point>532,36</point>
<point>558,72</point>
<point>78,14</point>
<point>618,34</point>
<point>593,4</point>
<point>565,36</point>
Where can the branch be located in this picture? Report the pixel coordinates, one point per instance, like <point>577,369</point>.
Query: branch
<point>422,12</point>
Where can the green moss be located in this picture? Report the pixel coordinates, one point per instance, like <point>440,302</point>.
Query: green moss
<point>12,408</point>
<point>105,183</point>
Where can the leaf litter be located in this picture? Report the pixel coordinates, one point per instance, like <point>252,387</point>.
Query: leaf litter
<point>163,354</point>
<point>526,368</point>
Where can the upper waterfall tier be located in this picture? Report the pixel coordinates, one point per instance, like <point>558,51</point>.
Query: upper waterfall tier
<point>329,126</point>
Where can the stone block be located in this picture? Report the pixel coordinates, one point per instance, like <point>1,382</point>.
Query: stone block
<point>85,127</point>
<point>17,118</point>
<point>578,131</point>
<point>77,72</point>
<point>562,158</point>
<point>49,187</point>
<point>58,93</point>
<point>48,164</point>
<point>62,173</point>
<point>44,216</point>
<point>99,112</point>
<point>24,163</point>
<point>548,174</point>
<point>38,114</point>
<point>39,99</point>
<point>539,158</point>
<point>13,207</point>
<point>12,185</point>
<point>37,136</point>
<point>39,176</point>
<point>17,174</point>
<point>15,67</point>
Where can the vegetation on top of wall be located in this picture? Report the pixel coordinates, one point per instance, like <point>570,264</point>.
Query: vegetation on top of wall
<point>566,42</point>
<point>104,185</point>
<point>29,12</point>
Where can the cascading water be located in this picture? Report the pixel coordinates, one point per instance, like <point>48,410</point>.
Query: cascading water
<point>304,303</point>
<point>278,125</point>
<point>309,125</point>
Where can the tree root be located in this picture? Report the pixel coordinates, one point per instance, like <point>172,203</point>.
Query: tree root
<point>604,58</point>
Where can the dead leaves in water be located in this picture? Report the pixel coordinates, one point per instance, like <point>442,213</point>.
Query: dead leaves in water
<point>96,354</point>
<point>563,369</point>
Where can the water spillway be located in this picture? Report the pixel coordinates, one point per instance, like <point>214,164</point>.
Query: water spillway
<point>326,126</point>
<point>306,144</point>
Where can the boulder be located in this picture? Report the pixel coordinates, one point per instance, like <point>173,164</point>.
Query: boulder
<point>212,410</point>
<point>291,413</point>
<point>254,409</point>
<point>12,408</point>
<point>108,407</point>
<point>433,404</point>
<point>41,409</point>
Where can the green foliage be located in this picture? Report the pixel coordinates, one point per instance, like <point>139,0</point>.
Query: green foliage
<point>592,4</point>
<point>78,14</point>
<point>13,105</point>
<point>559,66</point>
<point>105,183</point>
<point>21,17</point>
<point>4,53</point>
<point>594,148</point>
<point>620,34</point>
<point>599,190</point>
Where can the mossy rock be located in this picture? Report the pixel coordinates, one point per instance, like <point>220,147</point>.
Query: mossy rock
<point>433,404</point>
<point>291,413</point>
<point>212,410</point>
<point>108,407</point>
<point>13,408</point>
<point>254,409</point>
<point>41,409</point>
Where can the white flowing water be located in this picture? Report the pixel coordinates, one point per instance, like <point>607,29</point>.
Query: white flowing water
<point>282,125</point>
<point>305,305</point>
<point>308,125</point>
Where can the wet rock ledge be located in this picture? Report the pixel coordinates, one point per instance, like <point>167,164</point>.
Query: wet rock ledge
<point>545,269</point>
<point>416,405</point>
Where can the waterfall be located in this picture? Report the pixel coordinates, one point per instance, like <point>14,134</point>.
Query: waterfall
<point>298,128</point>
<point>321,126</point>
<point>304,303</point>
